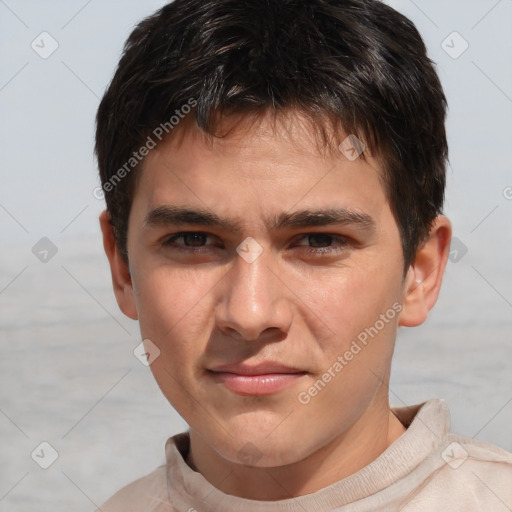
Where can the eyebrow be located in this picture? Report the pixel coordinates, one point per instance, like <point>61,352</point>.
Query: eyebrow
<point>176,215</point>
<point>323,217</point>
<point>170,214</point>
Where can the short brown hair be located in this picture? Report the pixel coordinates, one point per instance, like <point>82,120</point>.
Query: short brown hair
<point>359,63</point>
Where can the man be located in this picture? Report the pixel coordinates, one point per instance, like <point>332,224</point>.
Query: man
<point>274,175</point>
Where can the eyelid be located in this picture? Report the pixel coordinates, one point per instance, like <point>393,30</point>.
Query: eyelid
<point>340,238</point>
<point>171,239</point>
<point>339,242</point>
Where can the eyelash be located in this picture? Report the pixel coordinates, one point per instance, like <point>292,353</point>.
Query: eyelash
<point>170,241</point>
<point>338,243</point>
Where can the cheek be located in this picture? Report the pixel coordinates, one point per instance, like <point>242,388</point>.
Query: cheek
<point>174,313</point>
<point>166,296</point>
<point>361,324</point>
<point>351,300</point>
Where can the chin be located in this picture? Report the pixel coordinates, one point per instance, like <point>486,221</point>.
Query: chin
<point>254,447</point>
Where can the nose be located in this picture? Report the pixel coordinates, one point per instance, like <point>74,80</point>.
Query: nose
<point>254,302</point>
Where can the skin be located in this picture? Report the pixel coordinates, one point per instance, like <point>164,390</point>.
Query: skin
<point>301,302</point>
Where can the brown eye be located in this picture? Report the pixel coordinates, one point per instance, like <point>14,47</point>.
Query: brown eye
<point>194,239</point>
<point>320,240</point>
<point>188,239</point>
<point>322,244</point>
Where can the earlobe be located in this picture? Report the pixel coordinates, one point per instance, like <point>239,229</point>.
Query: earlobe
<point>121,278</point>
<point>425,275</point>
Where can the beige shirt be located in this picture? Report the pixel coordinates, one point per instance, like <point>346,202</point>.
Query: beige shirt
<point>427,469</point>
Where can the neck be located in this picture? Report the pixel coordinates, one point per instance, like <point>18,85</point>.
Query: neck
<point>343,456</point>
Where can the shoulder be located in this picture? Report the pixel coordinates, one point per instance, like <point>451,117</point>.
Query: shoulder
<point>478,459</point>
<point>147,494</point>
<point>488,466</point>
<point>466,475</point>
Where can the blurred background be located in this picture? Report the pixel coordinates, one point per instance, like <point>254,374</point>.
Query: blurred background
<point>68,375</point>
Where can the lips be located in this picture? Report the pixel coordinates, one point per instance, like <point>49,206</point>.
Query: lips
<point>264,368</point>
<point>263,379</point>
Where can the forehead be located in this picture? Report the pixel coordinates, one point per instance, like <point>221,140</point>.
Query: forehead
<point>302,134</point>
<point>275,161</point>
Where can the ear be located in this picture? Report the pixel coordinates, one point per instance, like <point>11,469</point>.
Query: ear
<point>121,278</point>
<point>425,275</point>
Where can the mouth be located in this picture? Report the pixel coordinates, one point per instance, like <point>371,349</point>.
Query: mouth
<point>258,380</point>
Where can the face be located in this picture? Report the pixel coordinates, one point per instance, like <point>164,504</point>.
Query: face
<point>270,277</point>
